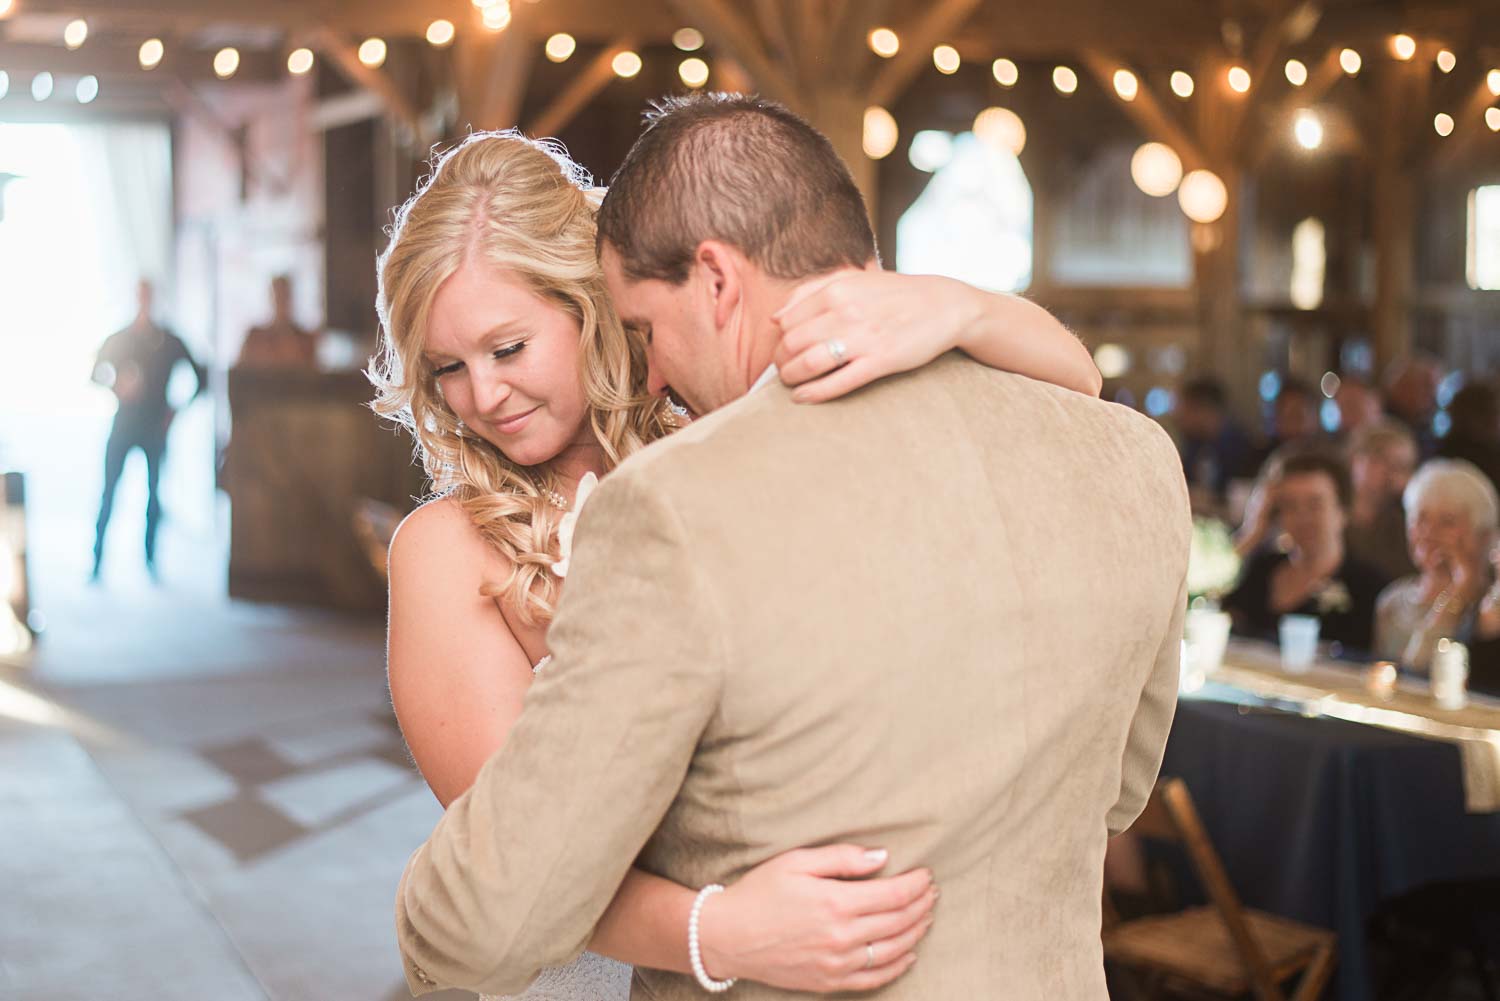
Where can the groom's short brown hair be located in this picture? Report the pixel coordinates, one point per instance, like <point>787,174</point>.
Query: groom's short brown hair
<point>737,169</point>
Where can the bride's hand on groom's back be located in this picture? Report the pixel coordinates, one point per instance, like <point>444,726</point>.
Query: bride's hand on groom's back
<point>809,920</point>
<point>886,323</point>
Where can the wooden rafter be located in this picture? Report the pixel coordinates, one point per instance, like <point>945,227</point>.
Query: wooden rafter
<point>334,47</point>
<point>943,19</point>
<point>584,88</point>
<point>491,72</point>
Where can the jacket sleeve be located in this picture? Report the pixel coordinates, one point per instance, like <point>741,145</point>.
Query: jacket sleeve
<point>522,866</point>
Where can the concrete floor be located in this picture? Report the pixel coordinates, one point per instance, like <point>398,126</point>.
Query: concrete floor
<point>198,798</point>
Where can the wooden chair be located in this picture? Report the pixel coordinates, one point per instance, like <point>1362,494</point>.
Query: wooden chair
<point>1222,949</point>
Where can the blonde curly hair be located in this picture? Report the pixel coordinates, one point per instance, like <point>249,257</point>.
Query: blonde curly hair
<point>524,206</point>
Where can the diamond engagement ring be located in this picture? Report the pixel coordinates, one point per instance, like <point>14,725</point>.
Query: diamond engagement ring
<point>838,351</point>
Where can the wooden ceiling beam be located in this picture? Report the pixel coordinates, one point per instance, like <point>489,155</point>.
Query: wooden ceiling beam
<point>1469,130</point>
<point>398,107</point>
<point>585,86</point>
<point>491,74</point>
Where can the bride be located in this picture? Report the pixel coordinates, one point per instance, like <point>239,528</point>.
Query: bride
<point>502,354</point>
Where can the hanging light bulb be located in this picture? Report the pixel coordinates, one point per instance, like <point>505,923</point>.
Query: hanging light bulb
<point>1006,73</point>
<point>440,32</point>
<point>560,47</point>
<point>372,52</point>
<point>151,52</point>
<point>226,62</point>
<point>1239,79</point>
<point>626,64</point>
<point>1350,61</point>
<point>1403,47</point>
<point>7,8</point>
<point>1203,196</point>
<point>1182,84</point>
<point>299,61</point>
<point>76,33</point>
<point>880,133</point>
<point>1126,85</point>
<point>1446,61</point>
<point>496,16</point>
<point>1296,72</point>
<point>1492,118</point>
<point>688,39</point>
<point>1001,129</point>
<point>1064,79</point>
<point>884,42</point>
<point>1308,129</point>
<point>1492,80</point>
<point>946,59</point>
<point>88,89</point>
<point>41,86</point>
<point>694,72</point>
<point>1156,169</point>
<point>1442,124</point>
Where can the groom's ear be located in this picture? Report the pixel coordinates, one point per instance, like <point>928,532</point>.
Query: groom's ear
<point>723,272</point>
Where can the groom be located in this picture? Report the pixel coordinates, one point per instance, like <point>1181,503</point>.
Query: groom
<point>941,616</point>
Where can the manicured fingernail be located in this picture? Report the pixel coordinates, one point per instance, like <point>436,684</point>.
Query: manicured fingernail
<point>799,397</point>
<point>877,855</point>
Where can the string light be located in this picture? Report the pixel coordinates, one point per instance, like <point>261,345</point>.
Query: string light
<point>7,8</point>
<point>440,32</point>
<point>626,64</point>
<point>1403,47</point>
<point>1350,61</point>
<point>688,39</point>
<point>561,46</point>
<point>1001,129</point>
<point>76,33</point>
<point>1296,72</point>
<point>1442,123</point>
<point>1492,118</point>
<point>1308,130</point>
<point>151,53</point>
<point>300,61</point>
<point>946,59</point>
<point>1156,169</point>
<point>1182,84</point>
<point>88,89</point>
<point>1203,196</point>
<point>884,42</point>
<point>1446,61</point>
<point>497,15</point>
<point>41,86</point>
<point>1006,73</point>
<point>1126,85</point>
<point>372,52</point>
<point>1064,79</point>
<point>1239,79</point>
<point>694,72</point>
<point>1492,79</point>
<point>226,62</point>
<point>880,133</point>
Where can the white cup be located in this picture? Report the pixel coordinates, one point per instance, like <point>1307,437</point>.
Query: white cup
<point>1207,634</point>
<point>1450,675</point>
<point>1299,642</point>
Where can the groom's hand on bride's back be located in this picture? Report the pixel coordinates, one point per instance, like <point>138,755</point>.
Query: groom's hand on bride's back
<point>818,919</point>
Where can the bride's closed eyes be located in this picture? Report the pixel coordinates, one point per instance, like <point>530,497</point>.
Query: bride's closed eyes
<point>499,354</point>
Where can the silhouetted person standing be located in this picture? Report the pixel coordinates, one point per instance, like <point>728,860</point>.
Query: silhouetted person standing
<point>136,364</point>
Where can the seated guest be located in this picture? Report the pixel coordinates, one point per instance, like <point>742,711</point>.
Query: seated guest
<point>1310,573</point>
<point>1475,433</point>
<point>279,343</point>
<point>1411,386</point>
<point>1451,516</point>
<point>1214,449</point>
<point>1294,418</point>
<point>1382,457</point>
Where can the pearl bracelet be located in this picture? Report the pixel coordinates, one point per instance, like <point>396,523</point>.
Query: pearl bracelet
<point>695,954</point>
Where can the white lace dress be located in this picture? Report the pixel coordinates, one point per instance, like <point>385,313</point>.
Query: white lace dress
<point>588,978</point>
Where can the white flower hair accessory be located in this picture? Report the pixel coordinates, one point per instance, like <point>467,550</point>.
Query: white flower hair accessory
<point>595,196</point>
<point>570,521</point>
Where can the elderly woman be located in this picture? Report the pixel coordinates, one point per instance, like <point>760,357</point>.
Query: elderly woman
<point>1309,572</point>
<point>1451,517</point>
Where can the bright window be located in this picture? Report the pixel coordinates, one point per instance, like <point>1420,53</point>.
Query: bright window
<point>1484,238</point>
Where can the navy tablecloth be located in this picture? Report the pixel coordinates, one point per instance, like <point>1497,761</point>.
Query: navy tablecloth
<point>1322,820</point>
